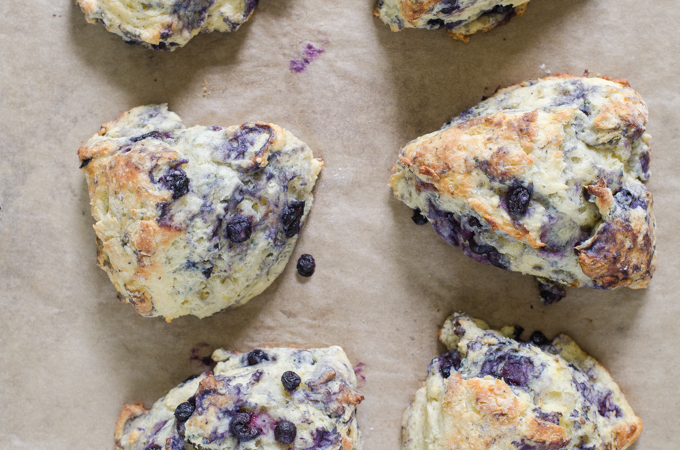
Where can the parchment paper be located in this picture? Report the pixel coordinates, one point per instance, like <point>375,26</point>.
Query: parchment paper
<point>71,355</point>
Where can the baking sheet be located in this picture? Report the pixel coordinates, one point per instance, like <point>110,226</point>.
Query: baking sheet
<point>71,355</point>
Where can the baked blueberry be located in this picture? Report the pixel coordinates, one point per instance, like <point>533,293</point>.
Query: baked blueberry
<point>290,380</point>
<point>285,432</point>
<point>306,265</point>
<point>256,357</point>
<point>239,230</point>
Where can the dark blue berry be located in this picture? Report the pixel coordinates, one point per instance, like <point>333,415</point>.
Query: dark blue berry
<point>517,201</point>
<point>290,380</point>
<point>285,432</point>
<point>306,265</point>
<point>207,271</point>
<point>184,410</point>
<point>239,230</point>
<point>177,181</point>
<point>240,427</point>
<point>84,162</point>
<point>291,218</point>
<point>538,338</point>
<point>256,357</point>
<point>418,217</point>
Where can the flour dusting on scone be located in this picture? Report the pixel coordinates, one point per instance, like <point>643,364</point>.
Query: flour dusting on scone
<point>460,18</point>
<point>490,391</point>
<point>546,178</point>
<point>266,399</point>
<point>195,220</point>
<point>166,24</point>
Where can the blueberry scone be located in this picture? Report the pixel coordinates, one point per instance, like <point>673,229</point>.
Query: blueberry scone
<point>490,391</point>
<point>195,220</point>
<point>546,178</point>
<point>460,18</point>
<point>166,24</point>
<point>266,399</point>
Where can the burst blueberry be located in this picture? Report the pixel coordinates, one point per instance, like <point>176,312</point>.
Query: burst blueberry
<point>449,361</point>
<point>240,427</point>
<point>291,218</point>
<point>177,181</point>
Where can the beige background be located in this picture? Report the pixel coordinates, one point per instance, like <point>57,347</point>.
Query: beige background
<point>71,355</point>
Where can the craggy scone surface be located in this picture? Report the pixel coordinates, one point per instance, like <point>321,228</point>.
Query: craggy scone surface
<point>195,220</point>
<point>166,24</point>
<point>493,392</point>
<point>243,402</point>
<point>545,178</point>
<point>460,18</point>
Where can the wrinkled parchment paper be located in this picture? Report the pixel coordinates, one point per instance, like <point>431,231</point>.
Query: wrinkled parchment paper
<point>71,355</point>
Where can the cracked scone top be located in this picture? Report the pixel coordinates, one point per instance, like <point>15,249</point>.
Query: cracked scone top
<point>266,399</point>
<point>546,178</point>
<point>460,18</point>
<point>166,24</point>
<point>490,391</point>
<point>195,220</point>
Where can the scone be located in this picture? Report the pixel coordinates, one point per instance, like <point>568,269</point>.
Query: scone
<point>266,399</point>
<point>546,178</point>
<point>166,24</point>
<point>195,220</point>
<point>460,18</point>
<point>490,391</point>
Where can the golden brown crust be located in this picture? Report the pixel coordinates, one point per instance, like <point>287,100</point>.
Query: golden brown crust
<point>128,413</point>
<point>482,411</point>
<point>455,159</point>
<point>412,10</point>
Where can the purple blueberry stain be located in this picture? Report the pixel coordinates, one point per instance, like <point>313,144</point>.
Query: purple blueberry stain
<point>449,361</point>
<point>151,135</point>
<point>324,438</point>
<point>358,371</point>
<point>513,369</point>
<point>198,354</point>
<point>308,54</point>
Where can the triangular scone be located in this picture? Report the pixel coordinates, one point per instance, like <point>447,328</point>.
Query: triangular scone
<point>493,392</point>
<point>546,178</point>
<point>266,399</point>
<point>195,220</point>
<point>166,24</point>
<point>460,18</point>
